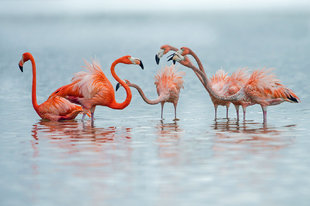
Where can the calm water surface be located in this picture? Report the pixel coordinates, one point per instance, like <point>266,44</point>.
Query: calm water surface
<point>130,157</point>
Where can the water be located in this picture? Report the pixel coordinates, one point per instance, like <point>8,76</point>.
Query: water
<point>130,156</point>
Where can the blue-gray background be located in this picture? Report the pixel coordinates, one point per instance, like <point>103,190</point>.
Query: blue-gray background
<point>131,157</point>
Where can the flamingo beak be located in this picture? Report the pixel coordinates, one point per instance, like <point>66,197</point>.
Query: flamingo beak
<point>171,58</point>
<point>141,64</point>
<point>20,67</point>
<point>117,86</point>
<point>157,59</point>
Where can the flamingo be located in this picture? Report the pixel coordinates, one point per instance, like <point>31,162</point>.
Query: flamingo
<point>165,49</point>
<point>219,81</point>
<point>261,88</point>
<point>55,108</point>
<point>222,85</point>
<point>91,88</point>
<point>169,82</point>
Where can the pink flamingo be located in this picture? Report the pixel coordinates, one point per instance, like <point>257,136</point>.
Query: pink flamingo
<point>168,83</point>
<point>221,84</point>
<point>261,88</point>
<point>92,88</point>
<point>165,49</point>
<point>219,81</point>
<point>55,108</point>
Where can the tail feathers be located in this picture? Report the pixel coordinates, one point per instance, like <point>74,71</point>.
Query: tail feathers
<point>292,97</point>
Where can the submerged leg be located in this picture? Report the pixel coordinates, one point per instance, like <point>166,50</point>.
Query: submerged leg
<point>83,117</point>
<point>175,112</point>
<point>244,111</point>
<point>227,108</point>
<point>92,111</point>
<point>215,111</point>
<point>162,110</point>
<point>237,111</point>
<point>264,108</point>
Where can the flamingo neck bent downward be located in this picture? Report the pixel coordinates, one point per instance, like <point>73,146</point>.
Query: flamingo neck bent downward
<point>148,101</point>
<point>124,104</point>
<point>210,89</point>
<point>198,61</point>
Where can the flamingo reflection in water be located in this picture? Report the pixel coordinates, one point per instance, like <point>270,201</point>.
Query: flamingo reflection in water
<point>249,137</point>
<point>71,133</point>
<point>168,140</point>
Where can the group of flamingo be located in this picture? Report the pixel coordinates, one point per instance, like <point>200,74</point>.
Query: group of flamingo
<point>91,88</point>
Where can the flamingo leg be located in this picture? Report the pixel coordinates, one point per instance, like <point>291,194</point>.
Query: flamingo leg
<point>264,108</point>
<point>215,111</point>
<point>244,111</point>
<point>227,107</point>
<point>175,112</point>
<point>237,111</point>
<point>162,110</point>
<point>92,111</point>
<point>83,117</point>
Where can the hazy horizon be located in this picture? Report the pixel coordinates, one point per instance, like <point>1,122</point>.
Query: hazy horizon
<point>82,7</point>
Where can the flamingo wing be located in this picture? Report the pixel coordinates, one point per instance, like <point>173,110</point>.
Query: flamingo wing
<point>169,79</point>
<point>262,85</point>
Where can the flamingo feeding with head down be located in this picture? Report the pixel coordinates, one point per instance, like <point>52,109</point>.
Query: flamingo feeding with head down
<point>91,88</point>
<point>222,84</point>
<point>261,88</point>
<point>55,108</point>
<point>168,83</point>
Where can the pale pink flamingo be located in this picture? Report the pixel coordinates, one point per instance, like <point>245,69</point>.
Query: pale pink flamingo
<point>165,49</point>
<point>261,88</point>
<point>168,83</point>
<point>91,88</point>
<point>55,108</point>
<point>219,82</point>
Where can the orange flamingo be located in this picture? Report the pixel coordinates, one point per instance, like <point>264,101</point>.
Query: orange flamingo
<point>55,108</point>
<point>261,88</point>
<point>168,83</point>
<point>92,88</point>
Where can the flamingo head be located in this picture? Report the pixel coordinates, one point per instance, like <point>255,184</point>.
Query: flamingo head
<point>25,57</point>
<point>132,60</point>
<point>118,84</point>
<point>163,50</point>
<point>184,51</point>
<point>181,59</point>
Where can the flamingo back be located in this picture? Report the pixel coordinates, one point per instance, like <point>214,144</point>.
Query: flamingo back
<point>220,82</point>
<point>57,105</point>
<point>262,84</point>
<point>92,81</point>
<point>237,80</point>
<point>169,79</point>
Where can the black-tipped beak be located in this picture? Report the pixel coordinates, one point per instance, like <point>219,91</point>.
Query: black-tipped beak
<point>157,59</point>
<point>141,64</point>
<point>171,58</point>
<point>117,86</point>
<point>20,67</point>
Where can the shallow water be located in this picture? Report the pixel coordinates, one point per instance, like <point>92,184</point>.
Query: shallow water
<point>130,156</point>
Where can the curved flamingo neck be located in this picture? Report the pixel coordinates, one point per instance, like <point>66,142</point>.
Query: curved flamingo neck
<point>198,61</point>
<point>116,105</point>
<point>210,89</point>
<point>173,48</point>
<point>34,84</point>
<point>148,101</point>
